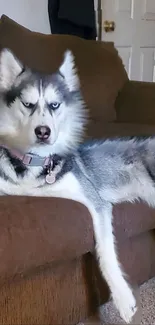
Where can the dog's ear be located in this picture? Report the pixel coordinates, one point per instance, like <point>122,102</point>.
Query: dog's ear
<point>10,68</point>
<point>69,72</point>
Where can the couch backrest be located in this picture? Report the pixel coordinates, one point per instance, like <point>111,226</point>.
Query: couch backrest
<point>100,69</point>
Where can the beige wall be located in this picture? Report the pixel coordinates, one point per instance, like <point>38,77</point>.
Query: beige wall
<point>32,14</point>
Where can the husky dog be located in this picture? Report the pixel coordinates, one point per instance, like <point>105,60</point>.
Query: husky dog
<point>41,113</point>
<point>41,120</point>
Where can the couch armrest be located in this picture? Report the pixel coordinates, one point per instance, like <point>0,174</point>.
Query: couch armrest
<point>136,103</point>
<point>39,231</point>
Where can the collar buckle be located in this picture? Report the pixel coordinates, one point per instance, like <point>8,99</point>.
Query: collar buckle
<point>27,159</point>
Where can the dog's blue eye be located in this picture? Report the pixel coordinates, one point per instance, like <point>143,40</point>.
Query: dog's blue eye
<point>28,105</point>
<point>54,105</point>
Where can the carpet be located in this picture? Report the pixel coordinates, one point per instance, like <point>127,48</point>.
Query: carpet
<point>146,309</point>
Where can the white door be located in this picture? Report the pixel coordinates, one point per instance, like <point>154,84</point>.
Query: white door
<point>134,35</point>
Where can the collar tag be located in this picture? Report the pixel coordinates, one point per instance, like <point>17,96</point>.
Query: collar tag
<point>51,174</point>
<point>50,178</point>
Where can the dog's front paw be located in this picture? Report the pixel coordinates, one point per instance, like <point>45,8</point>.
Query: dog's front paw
<point>125,302</point>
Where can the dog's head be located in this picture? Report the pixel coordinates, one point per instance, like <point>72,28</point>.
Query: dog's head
<point>40,113</point>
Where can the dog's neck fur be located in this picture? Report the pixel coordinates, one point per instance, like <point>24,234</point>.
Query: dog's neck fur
<point>55,165</point>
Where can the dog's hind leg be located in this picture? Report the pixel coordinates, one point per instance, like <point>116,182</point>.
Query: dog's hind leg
<point>105,248</point>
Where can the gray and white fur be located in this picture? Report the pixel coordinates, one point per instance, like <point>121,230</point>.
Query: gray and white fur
<point>97,174</point>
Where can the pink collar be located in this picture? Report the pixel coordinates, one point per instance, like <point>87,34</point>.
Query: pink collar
<point>34,160</point>
<point>29,159</point>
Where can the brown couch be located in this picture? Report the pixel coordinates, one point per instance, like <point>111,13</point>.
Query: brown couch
<point>48,272</point>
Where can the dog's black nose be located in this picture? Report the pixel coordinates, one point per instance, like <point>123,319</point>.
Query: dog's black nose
<point>42,132</point>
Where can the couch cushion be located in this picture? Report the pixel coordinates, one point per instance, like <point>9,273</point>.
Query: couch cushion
<point>131,220</point>
<point>38,231</point>
<point>35,232</point>
<point>136,103</point>
<point>98,129</point>
<point>101,72</point>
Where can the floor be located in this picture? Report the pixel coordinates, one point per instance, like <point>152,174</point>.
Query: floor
<point>144,316</point>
